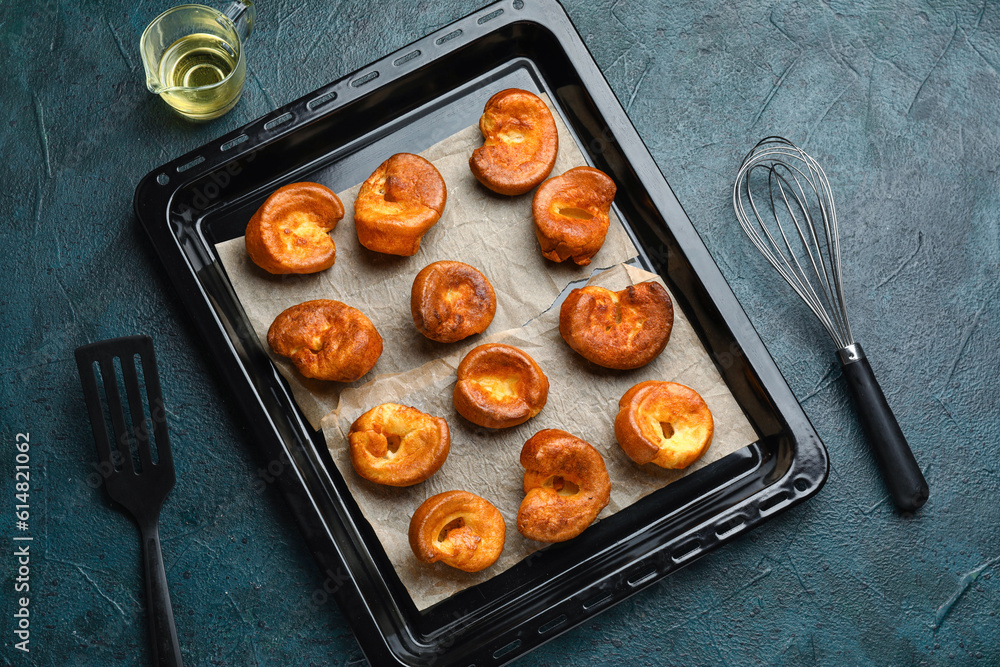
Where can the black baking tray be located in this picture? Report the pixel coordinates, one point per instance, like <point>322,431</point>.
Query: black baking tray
<point>405,103</point>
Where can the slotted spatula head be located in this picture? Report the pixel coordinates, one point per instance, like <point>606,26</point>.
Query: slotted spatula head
<point>131,434</point>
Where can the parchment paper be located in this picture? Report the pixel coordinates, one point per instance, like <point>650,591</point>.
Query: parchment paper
<point>583,399</point>
<point>493,233</point>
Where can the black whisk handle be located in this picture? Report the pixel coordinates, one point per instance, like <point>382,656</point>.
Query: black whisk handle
<point>899,468</point>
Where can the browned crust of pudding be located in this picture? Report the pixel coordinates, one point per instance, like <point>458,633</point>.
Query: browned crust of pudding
<point>326,340</point>
<point>459,529</point>
<point>450,301</point>
<point>290,232</point>
<point>520,143</point>
<point>499,386</point>
<point>397,445</point>
<point>623,330</point>
<point>566,486</point>
<point>398,203</point>
<point>664,423</point>
<point>571,214</point>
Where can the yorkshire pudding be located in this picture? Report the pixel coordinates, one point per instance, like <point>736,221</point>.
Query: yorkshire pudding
<point>398,204</point>
<point>625,329</point>
<point>289,233</point>
<point>571,214</point>
<point>326,340</point>
<point>459,529</point>
<point>663,423</point>
<point>566,485</point>
<point>499,386</point>
<point>520,143</point>
<point>451,301</point>
<point>397,445</point>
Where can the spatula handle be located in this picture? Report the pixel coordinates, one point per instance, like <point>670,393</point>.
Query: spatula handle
<point>899,467</point>
<point>162,632</point>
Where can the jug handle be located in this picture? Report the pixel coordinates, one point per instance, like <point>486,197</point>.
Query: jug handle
<point>242,14</point>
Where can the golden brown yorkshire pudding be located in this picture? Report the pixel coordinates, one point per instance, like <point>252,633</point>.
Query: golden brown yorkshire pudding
<point>326,340</point>
<point>625,329</point>
<point>566,485</point>
<point>398,204</point>
<point>459,529</point>
<point>663,423</point>
<point>520,143</point>
<point>451,301</point>
<point>499,386</point>
<point>571,214</point>
<point>289,233</point>
<point>398,445</point>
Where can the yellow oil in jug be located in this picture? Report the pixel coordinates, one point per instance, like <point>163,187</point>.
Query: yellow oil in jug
<point>208,72</point>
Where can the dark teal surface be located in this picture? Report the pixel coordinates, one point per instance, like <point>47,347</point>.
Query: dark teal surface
<point>898,100</point>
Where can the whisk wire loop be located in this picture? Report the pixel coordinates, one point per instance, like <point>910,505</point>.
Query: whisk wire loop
<point>798,192</point>
<point>812,244</point>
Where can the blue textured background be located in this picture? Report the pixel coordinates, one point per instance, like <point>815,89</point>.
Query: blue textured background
<point>898,100</point>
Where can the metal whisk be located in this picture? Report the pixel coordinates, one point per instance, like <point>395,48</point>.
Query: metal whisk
<point>793,222</point>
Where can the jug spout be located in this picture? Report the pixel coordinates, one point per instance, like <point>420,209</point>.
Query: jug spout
<point>154,84</point>
<point>150,50</point>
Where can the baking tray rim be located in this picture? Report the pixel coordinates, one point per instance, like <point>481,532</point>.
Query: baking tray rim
<point>260,133</point>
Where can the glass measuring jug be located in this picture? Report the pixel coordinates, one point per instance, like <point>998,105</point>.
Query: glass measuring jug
<point>194,57</point>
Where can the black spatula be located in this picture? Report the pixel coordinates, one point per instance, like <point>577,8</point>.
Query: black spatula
<point>136,477</point>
